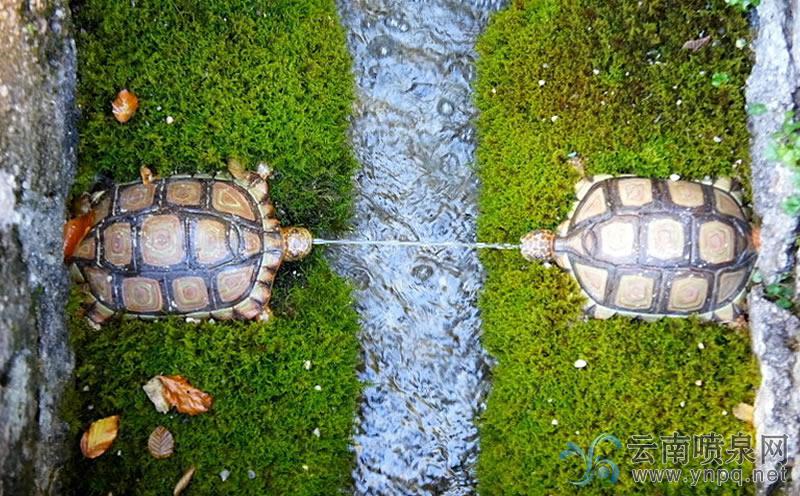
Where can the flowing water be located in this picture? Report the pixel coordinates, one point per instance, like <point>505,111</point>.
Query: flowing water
<point>425,370</point>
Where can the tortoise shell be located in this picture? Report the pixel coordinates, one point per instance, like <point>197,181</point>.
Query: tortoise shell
<point>650,247</point>
<point>191,245</point>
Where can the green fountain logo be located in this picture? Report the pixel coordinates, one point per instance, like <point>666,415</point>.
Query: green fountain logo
<point>596,465</point>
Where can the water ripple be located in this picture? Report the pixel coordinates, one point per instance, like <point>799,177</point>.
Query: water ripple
<point>424,366</point>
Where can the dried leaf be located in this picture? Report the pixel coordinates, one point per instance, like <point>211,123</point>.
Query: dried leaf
<point>155,391</point>
<point>100,436</point>
<point>74,232</point>
<point>185,480</point>
<point>183,396</point>
<point>124,106</point>
<point>161,444</point>
<point>743,412</point>
<point>695,45</point>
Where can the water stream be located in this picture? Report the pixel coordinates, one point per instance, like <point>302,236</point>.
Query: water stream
<point>425,370</point>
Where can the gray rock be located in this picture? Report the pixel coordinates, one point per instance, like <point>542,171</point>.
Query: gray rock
<point>37,163</point>
<point>774,83</point>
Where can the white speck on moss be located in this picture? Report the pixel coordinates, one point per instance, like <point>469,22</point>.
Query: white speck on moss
<point>674,177</point>
<point>307,365</point>
<point>224,475</point>
<point>579,364</point>
<point>316,432</point>
<point>683,404</point>
<point>701,346</point>
<point>251,474</point>
<point>318,388</point>
<point>554,422</point>
<point>698,383</point>
<point>170,120</point>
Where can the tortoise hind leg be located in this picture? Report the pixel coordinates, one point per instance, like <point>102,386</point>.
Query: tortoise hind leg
<point>98,314</point>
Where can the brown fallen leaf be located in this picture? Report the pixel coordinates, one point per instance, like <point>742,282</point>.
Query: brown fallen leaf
<point>743,412</point>
<point>99,436</point>
<point>186,478</point>
<point>695,45</point>
<point>183,396</point>
<point>124,106</point>
<point>161,444</point>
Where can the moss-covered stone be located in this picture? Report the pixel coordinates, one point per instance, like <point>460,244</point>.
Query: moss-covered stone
<point>262,82</point>
<point>607,82</point>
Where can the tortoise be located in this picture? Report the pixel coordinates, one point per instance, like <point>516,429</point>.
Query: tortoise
<point>200,246</point>
<point>653,248</point>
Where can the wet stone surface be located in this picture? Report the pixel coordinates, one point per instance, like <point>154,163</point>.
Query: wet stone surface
<point>37,161</point>
<point>424,367</point>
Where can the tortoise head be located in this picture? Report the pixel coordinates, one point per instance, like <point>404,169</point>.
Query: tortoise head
<point>298,242</point>
<point>537,246</point>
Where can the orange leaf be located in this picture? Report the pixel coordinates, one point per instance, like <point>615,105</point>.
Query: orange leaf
<point>183,396</point>
<point>99,437</point>
<point>124,106</point>
<point>161,444</point>
<point>74,232</point>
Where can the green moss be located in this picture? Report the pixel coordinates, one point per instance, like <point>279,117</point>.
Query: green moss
<point>265,407</point>
<point>613,74</point>
<point>264,83</point>
<point>261,82</point>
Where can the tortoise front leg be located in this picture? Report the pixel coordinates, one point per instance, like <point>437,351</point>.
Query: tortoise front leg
<point>147,174</point>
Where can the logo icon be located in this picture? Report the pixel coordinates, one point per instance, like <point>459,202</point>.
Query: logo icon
<point>596,465</point>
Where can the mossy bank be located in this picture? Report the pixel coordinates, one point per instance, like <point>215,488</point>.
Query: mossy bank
<point>607,84</point>
<point>218,79</point>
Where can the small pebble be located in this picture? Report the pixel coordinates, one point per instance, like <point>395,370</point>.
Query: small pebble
<point>494,91</point>
<point>305,467</point>
<point>579,364</point>
<point>701,346</point>
<point>85,388</point>
<point>170,120</point>
<point>724,412</point>
<point>317,388</point>
<point>316,432</point>
<point>674,177</point>
<point>90,407</point>
<point>683,404</point>
<point>224,475</point>
<point>679,103</point>
<point>554,422</point>
<point>554,118</point>
<point>251,475</point>
<point>717,139</point>
<point>3,91</point>
<point>595,71</point>
<point>741,43</point>
<point>698,383</point>
<point>541,82</point>
<point>119,452</point>
<point>307,365</point>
